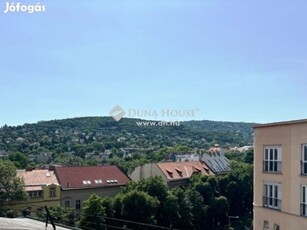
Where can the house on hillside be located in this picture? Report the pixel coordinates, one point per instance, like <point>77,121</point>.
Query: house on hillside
<point>42,187</point>
<point>174,174</point>
<point>79,182</point>
<point>183,157</point>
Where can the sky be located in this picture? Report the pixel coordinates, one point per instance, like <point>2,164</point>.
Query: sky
<point>232,60</point>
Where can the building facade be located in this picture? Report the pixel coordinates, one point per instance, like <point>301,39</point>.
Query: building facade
<point>78,183</point>
<point>42,188</point>
<point>174,174</point>
<point>280,176</point>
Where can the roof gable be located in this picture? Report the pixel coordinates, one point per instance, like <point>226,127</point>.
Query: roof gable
<point>183,170</point>
<point>82,177</point>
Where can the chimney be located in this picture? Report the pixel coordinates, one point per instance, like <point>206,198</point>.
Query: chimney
<point>29,169</point>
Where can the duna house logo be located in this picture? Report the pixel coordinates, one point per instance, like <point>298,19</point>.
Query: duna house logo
<point>117,113</point>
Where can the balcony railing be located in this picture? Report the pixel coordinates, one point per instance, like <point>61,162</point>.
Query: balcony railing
<point>270,202</point>
<point>303,209</point>
<point>304,168</point>
<point>272,166</point>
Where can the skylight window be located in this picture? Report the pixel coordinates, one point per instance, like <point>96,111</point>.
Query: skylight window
<point>87,182</point>
<point>112,181</point>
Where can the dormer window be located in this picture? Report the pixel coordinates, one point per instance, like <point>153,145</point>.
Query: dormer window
<point>179,171</point>
<point>169,172</point>
<point>197,169</point>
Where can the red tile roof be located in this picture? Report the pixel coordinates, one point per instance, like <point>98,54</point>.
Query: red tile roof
<point>35,179</point>
<point>80,177</point>
<point>183,170</point>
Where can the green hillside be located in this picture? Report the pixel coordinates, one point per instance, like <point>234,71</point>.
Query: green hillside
<point>85,137</point>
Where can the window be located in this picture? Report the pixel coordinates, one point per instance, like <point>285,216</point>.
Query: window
<point>52,192</point>
<point>272,195</point>
<point>266,225</point>
<point>67,204</point>
<point>272,159</point>
<point>35,194</point>
<point>304,160</point>
<point>276,227</point>
<point>304,200</point>
<point>87,182</point>
<point>78,204</point>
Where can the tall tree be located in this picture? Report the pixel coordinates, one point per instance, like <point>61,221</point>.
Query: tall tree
<point>11,186</point>
<point>93,213</point>
<point>139,206</point>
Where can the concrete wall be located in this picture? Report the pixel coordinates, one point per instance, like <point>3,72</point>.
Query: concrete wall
<point>290,137</point>
<point>146,171</point>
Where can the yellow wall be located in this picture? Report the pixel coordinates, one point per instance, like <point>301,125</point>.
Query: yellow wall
<point>38,202</point>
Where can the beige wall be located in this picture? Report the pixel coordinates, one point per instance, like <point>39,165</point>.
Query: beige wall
<point>83,194</point>
<point>290,137</point>
<point>146,171</point>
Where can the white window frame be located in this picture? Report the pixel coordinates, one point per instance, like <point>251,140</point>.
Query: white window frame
<point>272,158</point>
<point>272,195</point>
<point>304,160</point>
<point>304,200</point>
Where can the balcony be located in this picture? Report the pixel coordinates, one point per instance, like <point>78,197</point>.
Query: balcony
<point>304,168</point>
<point>273,166</point>
<point>304,210</point>
<point>273,203</point>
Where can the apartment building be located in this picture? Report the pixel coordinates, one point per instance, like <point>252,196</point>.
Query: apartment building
<point>42,187</point>
<point>280,176</point>
<point>78,183</point>
<point>174,174</point>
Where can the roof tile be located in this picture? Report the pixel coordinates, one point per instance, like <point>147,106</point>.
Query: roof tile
<point>90,176</point>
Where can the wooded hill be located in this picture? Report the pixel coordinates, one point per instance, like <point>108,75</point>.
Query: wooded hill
<point>88,134</point>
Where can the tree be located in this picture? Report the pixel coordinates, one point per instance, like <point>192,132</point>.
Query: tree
<point>93,213</point>
<point>19,159</point>
<point>139,206</point>
<point>155,187</point>
<point>65,216</point>
<point>11,186</point>
<point>249,156</point>
<point>237,186</point>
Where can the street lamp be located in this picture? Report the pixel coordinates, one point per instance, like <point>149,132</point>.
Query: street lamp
<point>231,217</point>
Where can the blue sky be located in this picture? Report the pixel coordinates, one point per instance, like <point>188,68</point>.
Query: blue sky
<point>231,60</point>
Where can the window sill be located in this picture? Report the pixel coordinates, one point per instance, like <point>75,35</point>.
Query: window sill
<point>272,208</point>
<point>269,172</point>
